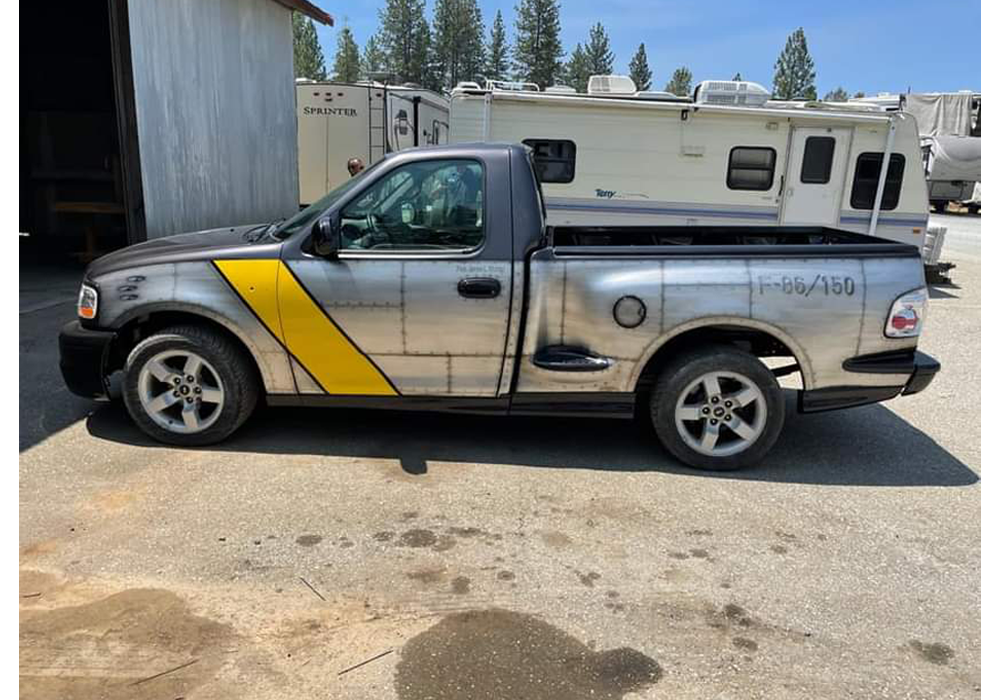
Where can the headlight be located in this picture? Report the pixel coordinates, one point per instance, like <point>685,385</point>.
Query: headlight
<point>906,318</point>
<point>86,305</point>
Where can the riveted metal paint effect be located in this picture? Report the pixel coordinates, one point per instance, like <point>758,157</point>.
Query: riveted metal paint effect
<point>295,319</point>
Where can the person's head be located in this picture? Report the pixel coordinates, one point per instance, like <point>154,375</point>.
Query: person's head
<point>355,166</point>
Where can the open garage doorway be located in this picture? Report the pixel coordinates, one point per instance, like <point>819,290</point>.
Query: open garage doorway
<point>79,170</point>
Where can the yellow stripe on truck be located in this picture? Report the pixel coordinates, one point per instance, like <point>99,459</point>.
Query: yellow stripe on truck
<point>300,324</point>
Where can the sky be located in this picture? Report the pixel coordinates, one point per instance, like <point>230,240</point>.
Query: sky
<point>871,46</point>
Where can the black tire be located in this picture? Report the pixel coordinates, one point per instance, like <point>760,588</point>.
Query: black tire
<point>973,208</point>
<point>939,207</point>
<point>236,372</point>
<point>687,368</point>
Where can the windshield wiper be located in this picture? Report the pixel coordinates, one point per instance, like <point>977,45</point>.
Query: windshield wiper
<point>266,228</point>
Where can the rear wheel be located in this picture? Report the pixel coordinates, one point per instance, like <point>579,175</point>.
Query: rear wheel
<point>719,408</point>
<point>939,206</point>
<point>189,385</point>
<point>973,208</point>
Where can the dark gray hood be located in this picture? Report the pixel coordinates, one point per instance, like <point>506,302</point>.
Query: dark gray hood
<point>186,247</point>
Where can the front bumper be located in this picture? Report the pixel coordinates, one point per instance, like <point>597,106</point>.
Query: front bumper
<point>83,355</point>
<point>920,366</point>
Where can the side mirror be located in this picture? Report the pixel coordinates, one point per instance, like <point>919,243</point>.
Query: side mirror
<point>326,237</point>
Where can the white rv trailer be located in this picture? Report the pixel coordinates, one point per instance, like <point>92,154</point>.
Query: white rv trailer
<point>339,121</point>
<point>727,156</point>
<point>950,127</point>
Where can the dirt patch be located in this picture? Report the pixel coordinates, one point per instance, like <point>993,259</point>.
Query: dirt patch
<point>505,651</point>
<point>37,549</point>
<point>113,647</point>
<point>588,578</point>
<point>308,540</point>
<point>460,585</point>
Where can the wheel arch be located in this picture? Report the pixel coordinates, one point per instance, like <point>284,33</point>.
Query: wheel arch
<point>142,322</point>
<point>764,339</point>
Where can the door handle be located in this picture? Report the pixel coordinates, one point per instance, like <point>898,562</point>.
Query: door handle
<point>479,287</point>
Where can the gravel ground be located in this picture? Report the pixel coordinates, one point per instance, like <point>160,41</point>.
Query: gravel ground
<point>488,558</point>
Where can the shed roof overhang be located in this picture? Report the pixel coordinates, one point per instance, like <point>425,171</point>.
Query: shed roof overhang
<point>308,9</point>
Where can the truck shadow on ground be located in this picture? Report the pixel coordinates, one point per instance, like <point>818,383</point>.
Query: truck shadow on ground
<point>869,446</point>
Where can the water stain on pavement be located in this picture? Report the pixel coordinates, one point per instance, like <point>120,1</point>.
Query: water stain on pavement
<point>426,576</point>
<point>936,653</point>
<point>426,538</point>
<point>486,654</point>
<point>308,540</point>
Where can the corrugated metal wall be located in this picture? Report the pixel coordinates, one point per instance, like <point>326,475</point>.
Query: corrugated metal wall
<point>215,104</point>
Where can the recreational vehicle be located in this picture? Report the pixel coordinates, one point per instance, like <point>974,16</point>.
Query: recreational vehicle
<point>950,126</point>
<point>729,155</point>
<point>340,121</point>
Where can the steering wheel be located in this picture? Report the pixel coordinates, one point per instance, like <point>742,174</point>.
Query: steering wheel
<point>375,227</point>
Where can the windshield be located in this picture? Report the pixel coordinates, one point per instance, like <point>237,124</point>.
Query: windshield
<point>295,223</point>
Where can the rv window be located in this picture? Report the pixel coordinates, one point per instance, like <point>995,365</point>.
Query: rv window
<point>751,168</point>
<point>555,160</point>
<point>817,160</point>
<point>866,181</point>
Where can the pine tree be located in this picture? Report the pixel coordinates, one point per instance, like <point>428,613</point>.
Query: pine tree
<point>680,82</point>
<point>457,43</point>
<point>794,72</point>
<point>537,48</point>
<point>498,62</point>
<point>838,95</point>
<point>574,72</point>
<point>307,54</point>
<point>405,39</point>
<point>638,69</point>
<point>347,64</point>
<point>373,60</point>
<point>737,77</point>
<point>859,94</point>
<point>600,57</point>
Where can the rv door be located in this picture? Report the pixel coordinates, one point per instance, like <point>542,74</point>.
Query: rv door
<point>814,176</point>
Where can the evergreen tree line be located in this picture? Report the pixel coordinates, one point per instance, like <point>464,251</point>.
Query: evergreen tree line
<point>454,46</point>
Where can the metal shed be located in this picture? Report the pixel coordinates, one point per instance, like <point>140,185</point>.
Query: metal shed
<point>143,119</point>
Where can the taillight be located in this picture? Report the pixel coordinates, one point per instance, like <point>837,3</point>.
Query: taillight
<point>906,317</point>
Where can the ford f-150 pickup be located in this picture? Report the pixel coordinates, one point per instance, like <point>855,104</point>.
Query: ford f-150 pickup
<point>431,282</point>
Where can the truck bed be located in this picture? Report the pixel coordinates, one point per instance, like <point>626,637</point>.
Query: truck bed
<point>722,241</point>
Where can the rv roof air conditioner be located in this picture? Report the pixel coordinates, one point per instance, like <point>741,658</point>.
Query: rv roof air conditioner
<point>731,92</point>
<point>610,85</point>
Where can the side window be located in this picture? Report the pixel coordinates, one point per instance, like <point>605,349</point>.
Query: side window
<point>751,168</point>
<point>430,205</point>
<point>817,160</point>
<point>555,159</point>
<point>866,174</point>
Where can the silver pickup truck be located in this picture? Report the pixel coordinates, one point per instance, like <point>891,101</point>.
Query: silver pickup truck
<point>431,282</point>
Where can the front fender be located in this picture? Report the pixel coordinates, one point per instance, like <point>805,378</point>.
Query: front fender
<point>198,290</point>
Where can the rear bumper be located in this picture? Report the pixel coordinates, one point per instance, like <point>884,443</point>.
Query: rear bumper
<point>82,359</point>
<point>920,366</point>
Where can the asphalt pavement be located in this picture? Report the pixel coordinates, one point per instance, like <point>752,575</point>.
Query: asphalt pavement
<point>352,554</point>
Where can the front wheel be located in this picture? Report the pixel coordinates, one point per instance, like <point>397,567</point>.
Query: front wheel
<point>189,385</point>
<point>718,408</point>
